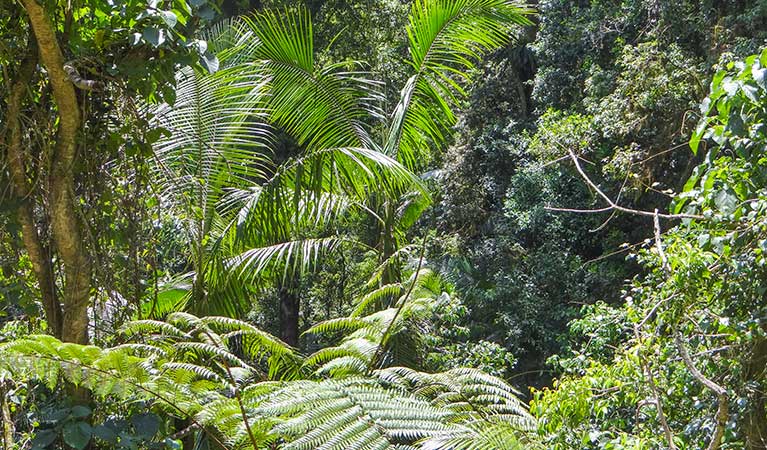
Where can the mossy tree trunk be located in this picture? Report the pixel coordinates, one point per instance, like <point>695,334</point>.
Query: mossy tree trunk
<point>63,209</point>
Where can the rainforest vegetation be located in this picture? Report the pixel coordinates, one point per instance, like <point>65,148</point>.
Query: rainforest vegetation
<point>383,224</point>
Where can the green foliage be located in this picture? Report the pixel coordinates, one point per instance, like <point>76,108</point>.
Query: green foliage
<point>651,81</point>
<point>733,114</point>
<point>261,166</point>
<point>223,122</point>
<point>613,81</point>
<point>444,38</point>
<point>71,426</point>
<point>185,367</point>
<point>383,330</point>
<point>701,297</point>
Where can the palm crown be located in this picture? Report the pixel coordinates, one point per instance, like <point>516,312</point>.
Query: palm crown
<point>252,212</point>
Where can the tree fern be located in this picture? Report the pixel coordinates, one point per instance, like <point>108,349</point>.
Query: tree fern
<point>352,413</point>
<point>391,408</point>
<point>240,386</point>
<point>373,337</point>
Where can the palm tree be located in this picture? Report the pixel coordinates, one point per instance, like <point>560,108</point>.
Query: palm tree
<point>347,154</point>
<point>253,214</point>
<point>218,174</point>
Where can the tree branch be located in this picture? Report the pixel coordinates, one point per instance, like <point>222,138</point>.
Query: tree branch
<point>657,399</point>
<point>723,411</point>
<point>5,416</point>
<point>721,393</point>
<point>613,205</point>
<point>38,252</point>
<point>64,221</point>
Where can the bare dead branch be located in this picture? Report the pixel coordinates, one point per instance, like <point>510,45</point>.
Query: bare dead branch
<point>723,411</point>
<point>613,204</point>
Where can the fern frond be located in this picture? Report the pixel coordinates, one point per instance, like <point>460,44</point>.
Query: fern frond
<point>479,436</point>
<point>377,296</point>
<point>352,413</point>
<point>149,326</point>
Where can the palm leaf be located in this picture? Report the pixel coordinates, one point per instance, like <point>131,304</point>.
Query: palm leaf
<point>445,37</point>
<point>320,107</point>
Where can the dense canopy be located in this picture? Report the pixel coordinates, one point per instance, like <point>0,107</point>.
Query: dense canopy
<point>383,224</point>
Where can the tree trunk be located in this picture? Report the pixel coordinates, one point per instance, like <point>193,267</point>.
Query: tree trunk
<point>289,310</point>
<point>756,417</point>
<point>392,274</point>
<point>63,210</point>
<point>39,253</point>
<point>5,414</point>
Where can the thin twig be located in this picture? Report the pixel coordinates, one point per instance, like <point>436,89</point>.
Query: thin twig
<point>659,244</point>
<point>579,211</point>
<point>655,393</point>
<point>643,362</point>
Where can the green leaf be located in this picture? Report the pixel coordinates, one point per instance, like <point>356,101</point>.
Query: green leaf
<point>154,36</point>
<point>170,443</point>
<point>169,18</point>
<point>180,16</point>
<point>697,135</point>
<point>183,5</point>
<point>43,439</point>
<point>105,433</point>
<point>760,76</point>
<point>80,411</point>
<point>77,434</point>
<point>726,201</point>
<point>146,425</point>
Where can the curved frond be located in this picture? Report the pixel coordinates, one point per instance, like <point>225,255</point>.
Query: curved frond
<point>352,413</point>
<point>445,38</point>
<point>320,107</point>
<point>295,257</point>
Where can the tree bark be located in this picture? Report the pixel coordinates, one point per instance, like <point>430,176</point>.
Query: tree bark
<point>289,311</point>
<point>63,209</point>
<point>39,253</point>
<point>392,273</point>
<point>5,414</point>
<point>756,417</point>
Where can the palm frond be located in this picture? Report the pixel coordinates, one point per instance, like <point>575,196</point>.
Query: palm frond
<point>321,107</point>
<point>214,141</point>
<point>294,257</point>
<point>445,38</point>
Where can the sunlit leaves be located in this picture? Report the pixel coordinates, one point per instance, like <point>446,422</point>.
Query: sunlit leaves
<point>446,38</point>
